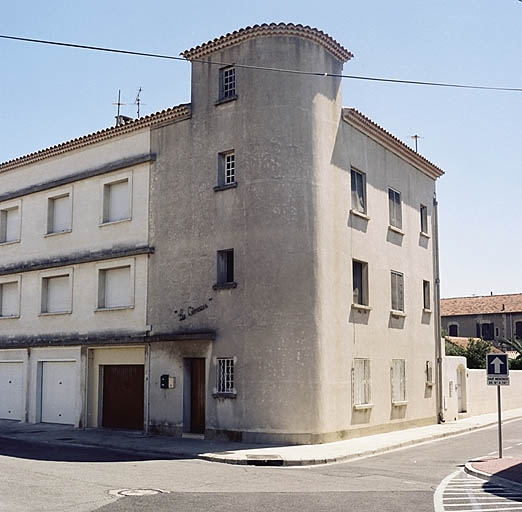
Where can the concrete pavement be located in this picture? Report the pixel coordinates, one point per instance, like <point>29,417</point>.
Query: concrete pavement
<point>241,453</point>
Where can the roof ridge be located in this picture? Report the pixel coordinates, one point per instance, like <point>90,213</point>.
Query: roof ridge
<point>179,112</point>
<point>483,296</point>
<point>269,29</point>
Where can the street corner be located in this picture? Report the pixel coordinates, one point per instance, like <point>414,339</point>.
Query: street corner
<point>506,471</point>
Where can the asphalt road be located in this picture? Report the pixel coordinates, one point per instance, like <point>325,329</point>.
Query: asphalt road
<point>44,478</point>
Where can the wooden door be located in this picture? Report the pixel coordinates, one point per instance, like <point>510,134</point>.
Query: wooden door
<point>123,391</point>
<point>197,396</point>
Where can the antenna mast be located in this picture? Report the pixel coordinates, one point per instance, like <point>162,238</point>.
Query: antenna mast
<point>138,101</point>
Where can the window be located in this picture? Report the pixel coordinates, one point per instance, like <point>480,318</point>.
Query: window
<point>227,83</point>
<point>394,198</point>
<point>10,299</point>
<point>426,294</point>
<point>453,330</point>
<point>10,224</point>
<point>398,381</point>
<point>59,213</point>
<point>361,382</point>
<point>225,269</point>
<point>115,287</point>
<point>226,170</point>
<point>360,282</point>
<point>225,375</point>
<point>116,200</point>
<point>424,219</point>
<point>358,191</point>
<point>485,331</point>
<point>56,294</point>
<point>397,291</point>
<point>518,330</point>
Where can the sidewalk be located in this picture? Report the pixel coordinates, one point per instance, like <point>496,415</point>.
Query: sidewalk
<point>506,472</point>
<point>241,453</point>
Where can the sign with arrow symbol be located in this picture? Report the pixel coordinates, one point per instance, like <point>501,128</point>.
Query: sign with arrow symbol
<point>497,369</point>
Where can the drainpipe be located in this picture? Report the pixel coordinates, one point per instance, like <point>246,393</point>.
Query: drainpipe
<point>438,342</point>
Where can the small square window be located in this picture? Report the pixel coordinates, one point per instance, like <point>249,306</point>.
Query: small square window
<point>115,287</point>
<point>225,268</point>
<point>424,219</point>
<point>426,294</point>
<point>398,381</point>
<point>116,201</point>
<point>397,291</point>
<point>227,83</point>
<point>10,299</point>
<point>59,214</point>
<point>10,224</point>
<point>395,208</point>
<point>56,294</point>
<point>361,382</point>
<point>358,191</point>
<point>360,282</point>
<point>225,375</point>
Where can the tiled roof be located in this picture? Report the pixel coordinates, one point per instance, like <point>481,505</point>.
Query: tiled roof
<point>464,342</point>
<point>481,305</point>
<point>272,29</point>
<point>379,134</point>
<point>170,114</point>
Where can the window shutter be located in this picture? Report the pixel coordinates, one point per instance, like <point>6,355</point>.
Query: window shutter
<point>12,225</point>
<point>400,281</point>
<point>119,201</point>
<point>398,210</point>
<point>367,382</point>
<point>117,287</point>
<point>9,299</point>
<point>61,219</point>
<point>391,207</point>
<point>58,292</point>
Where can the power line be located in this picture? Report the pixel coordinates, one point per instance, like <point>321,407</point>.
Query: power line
<point>263,68</point>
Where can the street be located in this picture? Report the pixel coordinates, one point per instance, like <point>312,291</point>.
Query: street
<point>44,478</point>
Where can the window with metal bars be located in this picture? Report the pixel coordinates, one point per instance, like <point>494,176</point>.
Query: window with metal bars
<point>225,375</point>
<point>227,83</point>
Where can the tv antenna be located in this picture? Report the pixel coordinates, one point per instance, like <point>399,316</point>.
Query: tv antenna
<point>416,138</point>
<point>121,119</point>
<point>137,101</point>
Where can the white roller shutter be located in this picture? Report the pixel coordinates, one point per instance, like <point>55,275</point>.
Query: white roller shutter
<point>9,299</point>
<point>119,201</point>
<point>61,214</point>
<point>12,225</point>
<point>118,287</point>
<point>58,294</point>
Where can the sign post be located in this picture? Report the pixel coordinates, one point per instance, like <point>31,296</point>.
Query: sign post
<point>498,375</point>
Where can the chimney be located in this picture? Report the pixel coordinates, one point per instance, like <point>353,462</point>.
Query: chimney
<point>491,293</point>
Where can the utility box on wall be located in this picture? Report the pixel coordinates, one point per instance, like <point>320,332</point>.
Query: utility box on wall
<point>167,382</point>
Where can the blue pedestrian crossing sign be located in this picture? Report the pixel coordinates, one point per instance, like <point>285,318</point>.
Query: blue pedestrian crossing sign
<point>497,369</point>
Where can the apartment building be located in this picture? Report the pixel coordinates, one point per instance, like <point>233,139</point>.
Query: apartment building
<point>259,264</point>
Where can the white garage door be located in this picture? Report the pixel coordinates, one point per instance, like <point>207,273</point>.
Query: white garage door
<point>58,392</point>
<point>11,386</point>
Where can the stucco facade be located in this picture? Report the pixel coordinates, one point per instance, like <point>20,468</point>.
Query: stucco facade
<point>243,322</point>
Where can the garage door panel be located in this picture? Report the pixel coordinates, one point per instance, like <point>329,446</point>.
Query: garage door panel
<point>58,392</point>
<point>11,384</point>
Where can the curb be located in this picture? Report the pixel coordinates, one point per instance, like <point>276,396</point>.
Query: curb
<point>504,482</point>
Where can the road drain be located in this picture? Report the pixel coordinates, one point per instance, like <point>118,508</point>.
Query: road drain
<point>137,492</point>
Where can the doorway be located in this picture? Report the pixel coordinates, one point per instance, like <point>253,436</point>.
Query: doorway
<point>194,395</point>
<point>123,391</point>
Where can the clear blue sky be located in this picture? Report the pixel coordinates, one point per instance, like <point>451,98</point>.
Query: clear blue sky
<point>49,95</point>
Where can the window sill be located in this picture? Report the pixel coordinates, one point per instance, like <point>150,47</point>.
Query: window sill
<point>425,235</point>
<point>400,403</point>
<point>362,407</point>
<point>112,222</point>
<point>10,242</point>
<point>361,307</point>
<point>399,231</point>
<point>219,188</point>
<point>398,314</point>
<point>53,313</point>
<point>9,317</point>
<point>224,395</point>
<point>55,233</point>
<point>357,213</point>
<point>115,308</point>
<point>426,311</point>
<point>226,100</point>
<point>224,286</point>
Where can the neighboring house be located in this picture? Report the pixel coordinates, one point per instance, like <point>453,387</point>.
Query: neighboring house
<point>491,317</point>
<point>257,264</point>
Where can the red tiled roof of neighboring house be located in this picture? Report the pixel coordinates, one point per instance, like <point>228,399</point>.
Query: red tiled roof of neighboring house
<point>380,135</point>
<point>177,113</point>
<point>269,29</point>
<point>481,305</point>
<point>464,342</point>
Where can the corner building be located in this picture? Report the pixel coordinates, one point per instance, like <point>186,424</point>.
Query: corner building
<point>258,264</point>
